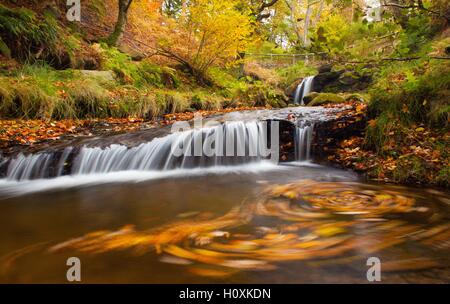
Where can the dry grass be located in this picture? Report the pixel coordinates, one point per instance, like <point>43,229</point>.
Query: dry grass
<point>257,72</point>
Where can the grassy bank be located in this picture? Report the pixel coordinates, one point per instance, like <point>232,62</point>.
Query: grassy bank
<point>122,88</point>
<point>49,70</point>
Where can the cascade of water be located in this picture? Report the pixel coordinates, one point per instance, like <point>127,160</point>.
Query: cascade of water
<point>27,167</point>
<point>40,165</point>
<point>231,143</point>
<point>303,139</point>
<point>303,89</point>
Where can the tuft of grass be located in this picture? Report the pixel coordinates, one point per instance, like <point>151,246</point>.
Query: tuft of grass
<point>377,133</point>
<point>24,100</point>
<point>88,98</point>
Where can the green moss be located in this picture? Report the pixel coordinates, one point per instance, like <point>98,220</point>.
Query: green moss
<point>324,98</point>
<point>357,97</point>
<point>139,74</point>
<point>309,97</point>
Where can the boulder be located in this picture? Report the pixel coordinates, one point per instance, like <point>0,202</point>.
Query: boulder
<point>355,97</point>
<point>102,75</point>
<point>325,68</point>
<point>322,80</point>
<point>324,98</point>
<point>134,53</point>
<point>308,98</point>
<point>342,81</point>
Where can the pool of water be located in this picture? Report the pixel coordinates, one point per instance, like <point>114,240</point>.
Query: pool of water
<point>255,223</point>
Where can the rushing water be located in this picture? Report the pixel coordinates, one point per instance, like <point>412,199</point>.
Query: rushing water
<point>138,214</point>
<point>303,89</point>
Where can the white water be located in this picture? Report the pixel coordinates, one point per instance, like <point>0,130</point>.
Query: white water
<point>303,89</point>
<point>247,139</point>
<point>303,139</point>
<point>11,188</point>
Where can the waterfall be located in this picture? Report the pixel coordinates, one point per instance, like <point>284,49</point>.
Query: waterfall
<point>40,165</point>
<point>231,143</point>
<point>302,140</point>
<point>303,89</point>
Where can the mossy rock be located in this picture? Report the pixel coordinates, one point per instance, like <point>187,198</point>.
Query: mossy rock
<point>356,97</point>
<point>308,98</point>
<point>324,98</point>
<point>325,68</point>
<point>106,76</point>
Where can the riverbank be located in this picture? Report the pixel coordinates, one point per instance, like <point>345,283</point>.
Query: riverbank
<point>421,159</point>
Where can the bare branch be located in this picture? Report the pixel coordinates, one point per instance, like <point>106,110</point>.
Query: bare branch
<point>420,7</point>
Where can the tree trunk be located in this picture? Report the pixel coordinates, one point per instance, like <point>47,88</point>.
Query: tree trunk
<point>306,41</point>
<point>291,6</point>
<point>319,13</point>
<point>241,57</point>
<point>116,35</point>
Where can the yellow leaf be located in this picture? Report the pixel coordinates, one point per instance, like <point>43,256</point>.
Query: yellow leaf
<point>329,231</point>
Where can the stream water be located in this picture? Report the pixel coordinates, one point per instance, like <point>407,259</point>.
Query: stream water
<point>136,214</point>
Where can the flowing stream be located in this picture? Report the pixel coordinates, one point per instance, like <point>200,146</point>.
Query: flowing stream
<point>136,211</point>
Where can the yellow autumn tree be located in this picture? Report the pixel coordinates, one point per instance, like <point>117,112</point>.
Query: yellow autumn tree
<point>212,32</point>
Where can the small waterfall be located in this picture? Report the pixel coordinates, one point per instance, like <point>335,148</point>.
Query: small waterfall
<point>303,89</point>
<point>303,139</point>
<point>231,143</point>
<point>28,167</point>
<point>40,165</point>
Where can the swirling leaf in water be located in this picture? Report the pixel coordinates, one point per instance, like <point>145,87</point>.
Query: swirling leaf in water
<point>311,221</point>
